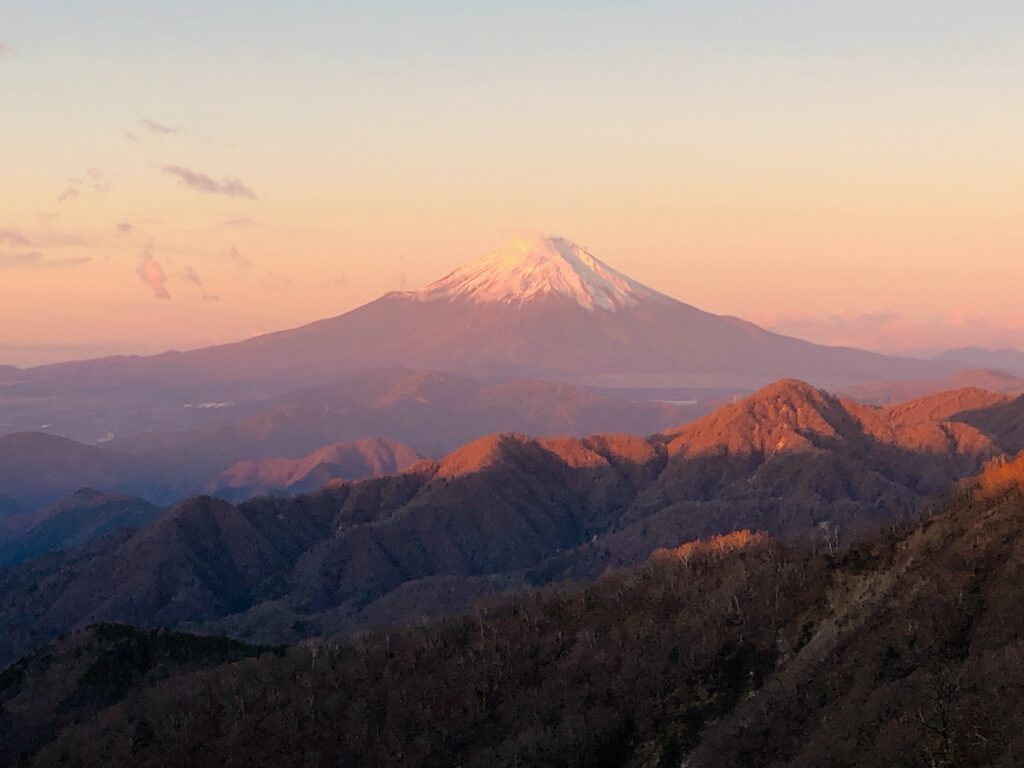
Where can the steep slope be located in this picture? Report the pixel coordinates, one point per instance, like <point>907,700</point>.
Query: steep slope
<point>542,308</point>
<point>82,517</point>
<point>343,461</point>
<point>916,654</point>
<point>507,511</point>
<point>903,649</point>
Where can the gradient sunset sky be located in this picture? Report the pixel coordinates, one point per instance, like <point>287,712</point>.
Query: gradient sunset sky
<point>180,174</point>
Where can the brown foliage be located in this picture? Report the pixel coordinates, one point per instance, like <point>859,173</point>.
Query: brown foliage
<point>905,649</point>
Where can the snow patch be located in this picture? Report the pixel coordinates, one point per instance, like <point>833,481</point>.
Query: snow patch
<point>539,267</point>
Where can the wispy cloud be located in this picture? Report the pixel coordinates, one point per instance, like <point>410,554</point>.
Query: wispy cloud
<point>146,127</point>
<point>94,180</point>
<point>152,126</point>
<point>152,273</point>
<point>5,49</point>
<point>239,259</point>
<point>189,275</point>
<point>276,282</point>
<point>12,237</point>
<point>36,260</point>
<point>125,228</point>
<point>240,223</point>
<point>203,183</point>
<point>20,259</point>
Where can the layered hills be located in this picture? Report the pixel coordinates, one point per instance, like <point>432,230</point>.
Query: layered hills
<point>901,649</point>
<point>37,470</point>
<point>365,425</point>
<point>509,511</point>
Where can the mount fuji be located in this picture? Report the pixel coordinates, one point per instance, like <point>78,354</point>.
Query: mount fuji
<point>545,307</point>
<point>539,308</point>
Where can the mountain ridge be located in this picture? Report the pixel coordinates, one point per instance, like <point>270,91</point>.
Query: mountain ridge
<point>506,512</point>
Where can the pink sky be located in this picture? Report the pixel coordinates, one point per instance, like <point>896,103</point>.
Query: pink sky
<point>833,180</point>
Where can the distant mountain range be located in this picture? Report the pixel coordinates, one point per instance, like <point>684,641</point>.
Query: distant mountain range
<point>542,308</point>
<point>508,511</point>
<point>400,412</point>
<point>1011,360</point>
<point>430,411</point>
<point>887,392</point>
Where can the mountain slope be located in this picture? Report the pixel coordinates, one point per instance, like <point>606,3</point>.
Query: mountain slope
<point>14,518</point>
<point>365,458</point>
<point>913,658</point>
<point>82,517</point>
<point>901,650</point>
<point>85,672</point>
<point>507,511</point>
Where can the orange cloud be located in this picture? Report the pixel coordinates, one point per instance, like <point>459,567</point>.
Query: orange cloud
<point>152,274</point>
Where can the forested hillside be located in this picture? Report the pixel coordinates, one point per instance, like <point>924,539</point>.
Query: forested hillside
<point>903,649</point>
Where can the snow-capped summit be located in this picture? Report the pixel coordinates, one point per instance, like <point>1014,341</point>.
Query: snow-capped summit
<point>539,267</point>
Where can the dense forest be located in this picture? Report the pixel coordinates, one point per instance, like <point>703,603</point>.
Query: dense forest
<point>902,649</point>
